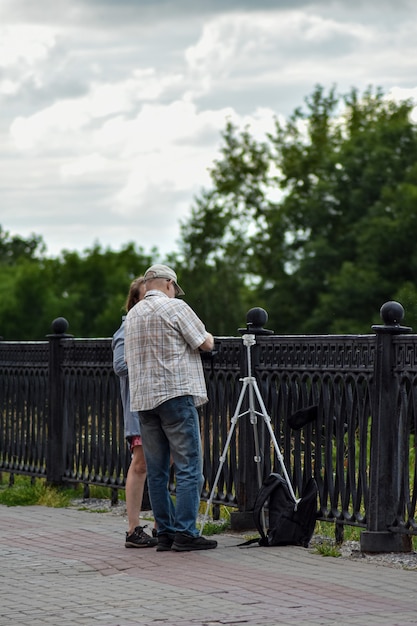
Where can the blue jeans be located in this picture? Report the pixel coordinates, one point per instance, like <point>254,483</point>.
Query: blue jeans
<point>172,429</point>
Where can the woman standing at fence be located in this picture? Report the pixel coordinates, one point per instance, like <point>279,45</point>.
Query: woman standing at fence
<point>136,537</point>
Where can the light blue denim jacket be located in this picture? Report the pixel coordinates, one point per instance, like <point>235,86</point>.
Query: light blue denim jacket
<point>131,418</point>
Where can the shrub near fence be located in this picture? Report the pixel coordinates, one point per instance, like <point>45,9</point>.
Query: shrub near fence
<point>61,417</point>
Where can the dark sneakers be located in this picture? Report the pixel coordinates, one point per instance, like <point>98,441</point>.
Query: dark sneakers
<point>165,541</point>
<point>139,539</point>
<point>187,543</point>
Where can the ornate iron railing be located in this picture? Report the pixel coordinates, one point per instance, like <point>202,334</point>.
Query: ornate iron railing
<point>23,407</point>
<point>61,417</point>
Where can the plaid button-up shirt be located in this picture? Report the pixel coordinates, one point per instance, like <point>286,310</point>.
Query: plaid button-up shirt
<point>162,336</point>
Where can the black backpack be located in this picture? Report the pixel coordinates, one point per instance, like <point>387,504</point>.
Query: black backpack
<point>289,523</point>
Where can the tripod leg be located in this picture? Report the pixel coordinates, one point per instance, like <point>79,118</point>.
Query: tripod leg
<point>254,421</point>
<point>267,421</point>
<point>223,455</point>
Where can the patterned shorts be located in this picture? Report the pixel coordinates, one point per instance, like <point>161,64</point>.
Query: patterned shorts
<point>136,440</point>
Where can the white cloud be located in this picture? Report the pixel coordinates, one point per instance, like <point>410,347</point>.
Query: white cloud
<point>85,166</point>
<point>50,126</point>
<point>24,44</point>
<point>124,122</point>
<point>239,43</point>
<point>166,147</point>
<point>23,49</point>
<point>8,87</point>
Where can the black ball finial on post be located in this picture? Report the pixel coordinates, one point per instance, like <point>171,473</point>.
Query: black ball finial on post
<point>392,314</point>
<point>256,318</point>
<point>60,326</point>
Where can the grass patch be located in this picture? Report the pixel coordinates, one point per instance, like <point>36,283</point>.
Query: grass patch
<point>327,548</point>
<point>25,491</point>
<point>352,533</point>
<point>327,530</point>
<point>215,526</point>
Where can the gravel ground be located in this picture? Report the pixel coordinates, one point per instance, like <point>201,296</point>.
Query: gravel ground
<point>351,550</point>
<point>348,550</point>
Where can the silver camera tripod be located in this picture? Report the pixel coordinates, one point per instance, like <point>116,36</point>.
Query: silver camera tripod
<point>250,385</point>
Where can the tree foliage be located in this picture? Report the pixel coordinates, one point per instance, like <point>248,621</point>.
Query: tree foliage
<point>318,221</point>
<point>14,249</point>
<point>88,289</point>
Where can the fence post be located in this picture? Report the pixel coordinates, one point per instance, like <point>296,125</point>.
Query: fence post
<point>384,455</point>
<point>55,455</point>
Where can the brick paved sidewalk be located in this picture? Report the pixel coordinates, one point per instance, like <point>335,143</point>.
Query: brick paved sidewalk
<point>67,568</point>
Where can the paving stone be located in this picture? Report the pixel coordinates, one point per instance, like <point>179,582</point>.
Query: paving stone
<point>68,567</point>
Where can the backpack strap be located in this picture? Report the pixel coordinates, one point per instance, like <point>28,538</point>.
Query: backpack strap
<point>249,542</point>
<point>265,491</point>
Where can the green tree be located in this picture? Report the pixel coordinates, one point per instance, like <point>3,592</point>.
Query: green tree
<point>14,248</point>
<point>366,250</point>
<point>318,221</point>
<point>216,260</point>
<point>28,303</point>
<point>88,289</point>
<point>92,287</point>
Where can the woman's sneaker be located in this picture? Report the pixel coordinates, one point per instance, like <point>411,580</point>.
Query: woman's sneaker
<point>186,543</point>
<point>139,539</point>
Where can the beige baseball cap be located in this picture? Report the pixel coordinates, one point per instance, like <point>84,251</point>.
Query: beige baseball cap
<point>163,271</point>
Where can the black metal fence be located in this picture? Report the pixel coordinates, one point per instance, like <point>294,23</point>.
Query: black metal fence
<point>61,418</point>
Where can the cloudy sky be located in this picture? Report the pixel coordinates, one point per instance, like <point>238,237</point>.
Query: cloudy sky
<point>112,110</point>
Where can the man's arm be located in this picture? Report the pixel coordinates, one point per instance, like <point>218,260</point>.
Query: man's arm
<point>208,343</point>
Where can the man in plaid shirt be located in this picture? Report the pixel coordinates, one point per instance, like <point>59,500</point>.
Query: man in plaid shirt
<point>163,340</point>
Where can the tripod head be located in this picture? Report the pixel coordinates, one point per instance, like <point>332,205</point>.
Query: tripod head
<point>249,340</point>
